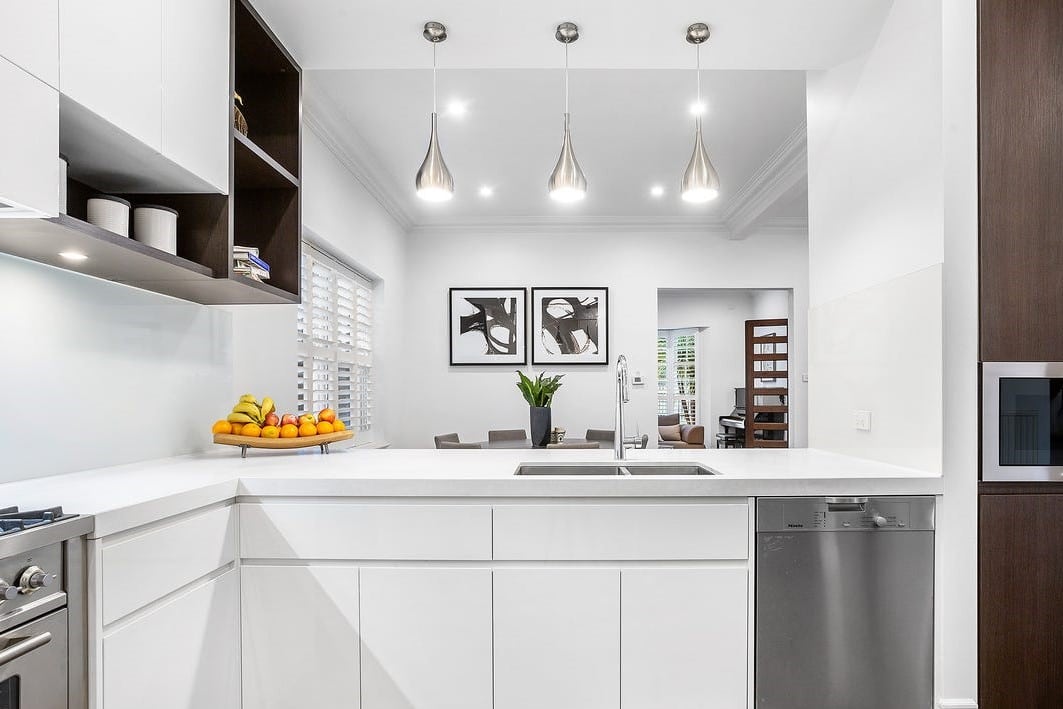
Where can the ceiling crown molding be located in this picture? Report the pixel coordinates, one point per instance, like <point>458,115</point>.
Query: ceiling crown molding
<point>575,225</point>
<point>782,175</point>
<point>327,122</point>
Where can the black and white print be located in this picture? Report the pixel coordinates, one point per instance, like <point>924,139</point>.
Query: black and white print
<point>570,325</point>
<point>488,326</point>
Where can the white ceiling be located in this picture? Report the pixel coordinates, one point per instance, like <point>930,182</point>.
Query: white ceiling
<point>631,129</point>
<point>616,34</point>
<point>368,84</point>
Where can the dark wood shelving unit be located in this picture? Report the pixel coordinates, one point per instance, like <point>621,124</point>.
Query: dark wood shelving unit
<point>261,210</point>
<point>267,161</point>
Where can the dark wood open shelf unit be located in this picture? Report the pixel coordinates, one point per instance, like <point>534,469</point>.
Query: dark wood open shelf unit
<point>262,208</point>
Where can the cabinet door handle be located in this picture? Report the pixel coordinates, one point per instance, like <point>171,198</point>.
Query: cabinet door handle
<point>23,647</point>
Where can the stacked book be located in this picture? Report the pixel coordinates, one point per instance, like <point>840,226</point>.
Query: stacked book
<point>247,263</point>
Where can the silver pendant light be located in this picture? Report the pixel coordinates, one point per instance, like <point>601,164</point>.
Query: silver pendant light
<point>567,182</point>
<point>434,181</point>
<point>701,183</point>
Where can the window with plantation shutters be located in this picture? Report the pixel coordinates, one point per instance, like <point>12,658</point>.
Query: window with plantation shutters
<point>677,374</point>
<point>335,340</point>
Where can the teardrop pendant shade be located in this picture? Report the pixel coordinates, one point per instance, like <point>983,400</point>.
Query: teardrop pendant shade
<point>701,183</point>
<point>567,182</point>
<point>434,181</point>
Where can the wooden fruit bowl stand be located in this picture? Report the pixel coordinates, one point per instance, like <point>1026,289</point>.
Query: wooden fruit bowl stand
<point>245,442</point>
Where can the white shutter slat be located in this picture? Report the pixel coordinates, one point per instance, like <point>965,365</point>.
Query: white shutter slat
<point>334,331</point>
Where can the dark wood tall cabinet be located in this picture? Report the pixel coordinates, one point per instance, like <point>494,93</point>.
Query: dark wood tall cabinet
<point>1020,596</point>
<point>1020,81</point>
<point>1020,592</point>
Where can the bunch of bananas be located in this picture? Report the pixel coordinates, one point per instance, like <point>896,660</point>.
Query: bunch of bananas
<point>249,410</point>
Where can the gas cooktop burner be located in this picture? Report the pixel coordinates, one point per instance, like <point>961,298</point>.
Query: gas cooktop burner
<point>12,520</point>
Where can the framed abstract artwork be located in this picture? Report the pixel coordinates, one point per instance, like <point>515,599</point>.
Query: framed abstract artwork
<point>570,325</point>
<point>488,326</point>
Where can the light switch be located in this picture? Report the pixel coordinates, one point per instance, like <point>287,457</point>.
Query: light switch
<point>862,420</point>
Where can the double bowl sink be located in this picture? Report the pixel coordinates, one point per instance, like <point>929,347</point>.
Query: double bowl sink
<point>617,469</point>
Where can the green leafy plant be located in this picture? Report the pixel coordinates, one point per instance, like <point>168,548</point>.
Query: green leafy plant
<point>539,391</point>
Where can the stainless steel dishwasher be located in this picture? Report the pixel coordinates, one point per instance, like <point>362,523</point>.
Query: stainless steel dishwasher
<point>845,603</point>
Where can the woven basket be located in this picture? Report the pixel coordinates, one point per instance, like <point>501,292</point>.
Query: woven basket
<point>238,116</point>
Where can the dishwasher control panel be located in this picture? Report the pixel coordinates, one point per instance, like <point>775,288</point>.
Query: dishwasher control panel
<point>845,513</point>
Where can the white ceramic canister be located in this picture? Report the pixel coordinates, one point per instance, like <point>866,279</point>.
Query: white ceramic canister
<point>110,213</point>
<point>156,226</point>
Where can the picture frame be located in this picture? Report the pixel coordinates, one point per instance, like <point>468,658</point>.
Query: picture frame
<point>488,326</point>
<point>570,325</point>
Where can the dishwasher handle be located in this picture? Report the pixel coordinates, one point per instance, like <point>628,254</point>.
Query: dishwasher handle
<point>846,504</point>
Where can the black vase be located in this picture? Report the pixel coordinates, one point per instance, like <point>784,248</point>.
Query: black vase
<point>540,426</point>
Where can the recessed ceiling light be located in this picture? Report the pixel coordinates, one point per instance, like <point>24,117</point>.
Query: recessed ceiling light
<point>457,108</point>
<point>698,108</point>
<point>487,191</point>
<point>73,255</point>
<point>657,191</point>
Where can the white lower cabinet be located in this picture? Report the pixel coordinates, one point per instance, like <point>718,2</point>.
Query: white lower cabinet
<point>683,638</point>
<point>557,638</point>
<point>300,637</point>
<point>181,654</point>
<point>426,638</point>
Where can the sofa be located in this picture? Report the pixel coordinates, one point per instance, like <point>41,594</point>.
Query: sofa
<point>672,434</point>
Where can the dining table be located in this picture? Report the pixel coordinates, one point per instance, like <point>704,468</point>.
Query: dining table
<point>526,443</point>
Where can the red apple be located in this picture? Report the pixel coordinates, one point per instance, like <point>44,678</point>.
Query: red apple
<point>272,419</point>
<point>289,419</point>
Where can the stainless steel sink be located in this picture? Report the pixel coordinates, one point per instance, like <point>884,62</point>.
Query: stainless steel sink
<point>613,470</point>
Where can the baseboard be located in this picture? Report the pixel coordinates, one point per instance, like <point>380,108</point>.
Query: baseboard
<point>957,704</point>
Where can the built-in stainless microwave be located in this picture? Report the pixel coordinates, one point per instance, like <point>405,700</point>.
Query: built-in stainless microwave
<point>1022,421</point>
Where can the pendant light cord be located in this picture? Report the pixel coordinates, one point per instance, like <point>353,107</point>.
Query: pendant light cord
<point>434,45</point>
<point>566,78</point>
<point>697,53</point>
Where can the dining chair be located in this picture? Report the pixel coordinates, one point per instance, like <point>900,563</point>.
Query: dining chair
<point>445,438</point>
<point>454,445</point>
<point>511,434</point>
<point>600,434</point>
<point>572,446</point>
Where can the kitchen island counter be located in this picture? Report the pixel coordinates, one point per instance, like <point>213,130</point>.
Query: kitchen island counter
<point>127,496</point>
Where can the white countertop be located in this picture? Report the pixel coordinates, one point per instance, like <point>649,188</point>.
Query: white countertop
<point>127,496</point>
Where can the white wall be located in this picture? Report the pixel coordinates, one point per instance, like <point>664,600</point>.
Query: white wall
<point>721,316</point>
<point>470,400</point>
<point>94,373</point>
<point>340,215</point>
<point>876,231</point>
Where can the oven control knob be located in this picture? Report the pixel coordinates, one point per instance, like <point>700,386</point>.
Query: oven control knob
<point>7,591</point>
<point>35,578</point>
<point>879,521</point>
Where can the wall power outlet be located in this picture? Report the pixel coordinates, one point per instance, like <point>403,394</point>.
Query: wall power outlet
<point>862,420</point>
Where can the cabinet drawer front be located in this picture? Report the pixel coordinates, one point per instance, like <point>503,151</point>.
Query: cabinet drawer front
<point>621,532</point>
<point>146,567</point>
<point>355,531</point>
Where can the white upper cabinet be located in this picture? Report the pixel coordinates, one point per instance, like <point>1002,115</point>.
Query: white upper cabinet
<point>157,70</point>
<point>196,103</point>
<point>110,61</point>
<point>29,145</point>
<point>29,37</point>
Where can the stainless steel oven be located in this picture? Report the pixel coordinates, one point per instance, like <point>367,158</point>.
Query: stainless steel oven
<point>33,664</point>
<point>1022,421</point>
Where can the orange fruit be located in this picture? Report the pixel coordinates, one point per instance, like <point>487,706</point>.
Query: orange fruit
<point>271,432</point>
<point>324,427</point>
<point>338,426</point>
<point>308,429</point>
<point>251,429</point>
<point>237,428</point>
<point>222,426</point>
<point>289,430</point>
<point>326,415</point>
